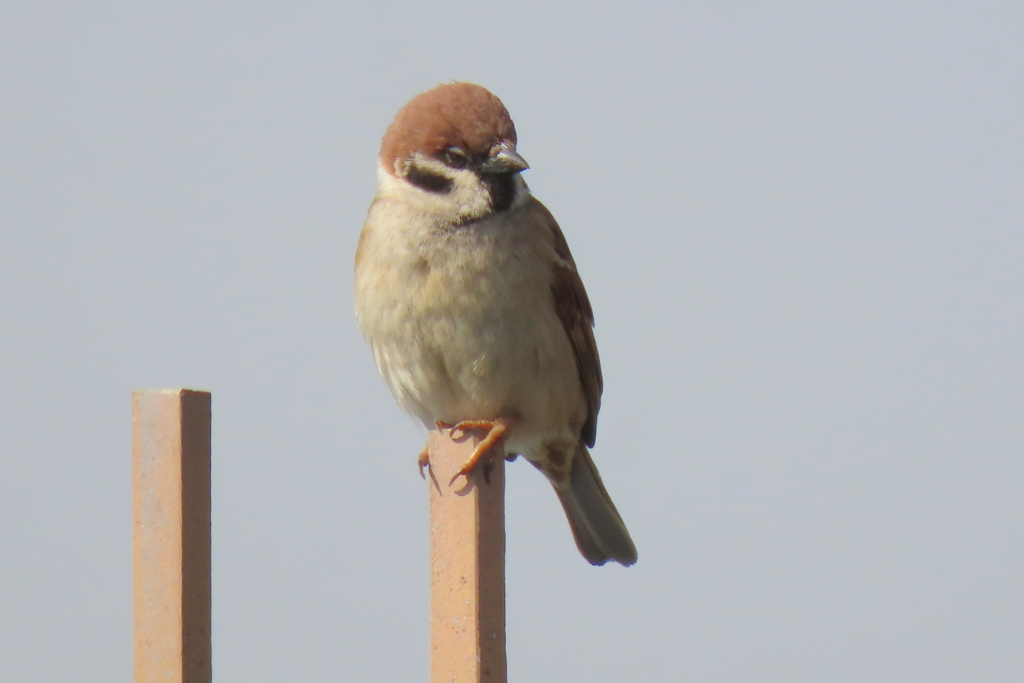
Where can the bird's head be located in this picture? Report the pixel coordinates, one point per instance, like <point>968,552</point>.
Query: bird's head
<point>455,145</point>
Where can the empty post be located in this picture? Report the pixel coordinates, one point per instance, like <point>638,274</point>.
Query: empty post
<point>171,538</point>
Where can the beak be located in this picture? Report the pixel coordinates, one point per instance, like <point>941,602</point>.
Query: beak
<point>504,159</point>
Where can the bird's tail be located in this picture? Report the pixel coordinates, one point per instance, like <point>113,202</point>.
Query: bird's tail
<point>596,525</point>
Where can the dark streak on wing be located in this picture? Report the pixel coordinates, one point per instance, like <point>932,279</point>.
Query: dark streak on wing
<point>573,309</point>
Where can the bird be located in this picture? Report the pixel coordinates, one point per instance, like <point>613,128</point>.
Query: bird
<point>468,295</point>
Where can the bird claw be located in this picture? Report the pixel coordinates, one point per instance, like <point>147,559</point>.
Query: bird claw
<point>424,461</point>
<point>497,432</point>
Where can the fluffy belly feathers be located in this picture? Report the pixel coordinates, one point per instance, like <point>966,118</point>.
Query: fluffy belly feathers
<point>488,360</point>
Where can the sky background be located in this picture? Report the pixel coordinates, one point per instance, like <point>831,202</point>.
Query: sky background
<point>801,226</point>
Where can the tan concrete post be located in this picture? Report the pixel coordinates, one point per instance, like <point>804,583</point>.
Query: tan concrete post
<point>467,567</point>
<point>171,511</point>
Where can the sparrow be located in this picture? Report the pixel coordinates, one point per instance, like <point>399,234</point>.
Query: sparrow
<point>469,297</point>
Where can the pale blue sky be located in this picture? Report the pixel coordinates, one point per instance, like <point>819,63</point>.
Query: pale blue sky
<point>802,230</point>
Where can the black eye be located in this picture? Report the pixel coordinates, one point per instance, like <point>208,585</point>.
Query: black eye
<point>456,158</point>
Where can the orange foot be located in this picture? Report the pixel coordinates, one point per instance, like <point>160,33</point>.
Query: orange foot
<point>497,432</point>
<point>424,460</point>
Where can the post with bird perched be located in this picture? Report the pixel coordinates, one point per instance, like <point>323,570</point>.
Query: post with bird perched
<point>467,563</point>
<point>480,326</point>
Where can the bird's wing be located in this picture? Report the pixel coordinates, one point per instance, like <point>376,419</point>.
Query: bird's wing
<point>573,309</point>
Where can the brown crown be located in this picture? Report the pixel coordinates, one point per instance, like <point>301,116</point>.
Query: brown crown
<point>465,115</point>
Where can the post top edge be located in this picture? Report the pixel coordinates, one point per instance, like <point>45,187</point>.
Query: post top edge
<point>169,391</point>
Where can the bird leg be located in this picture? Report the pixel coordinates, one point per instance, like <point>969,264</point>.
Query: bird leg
<point>497,432</point>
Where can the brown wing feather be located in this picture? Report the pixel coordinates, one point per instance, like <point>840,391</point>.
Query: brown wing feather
<point>573,308</point>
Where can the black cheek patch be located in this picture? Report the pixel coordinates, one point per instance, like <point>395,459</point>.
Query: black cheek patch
<point>429,181</point>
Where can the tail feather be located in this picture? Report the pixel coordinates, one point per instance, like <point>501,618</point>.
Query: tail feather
<point>596,525</point>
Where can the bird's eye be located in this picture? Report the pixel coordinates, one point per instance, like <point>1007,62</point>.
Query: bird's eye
<point>456,158</point>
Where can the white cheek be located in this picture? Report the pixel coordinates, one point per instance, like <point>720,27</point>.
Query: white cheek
<point>468,198</point>
<point>470,194</point>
